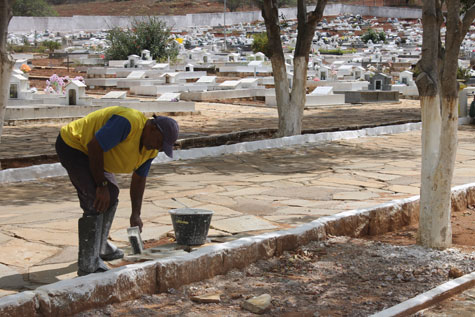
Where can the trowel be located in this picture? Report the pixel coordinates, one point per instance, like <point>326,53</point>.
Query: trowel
<point>135,239</point>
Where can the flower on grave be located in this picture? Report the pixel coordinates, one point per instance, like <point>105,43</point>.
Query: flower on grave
<point>79,78</point>
<point>25,68</point>
<point>55,85</point>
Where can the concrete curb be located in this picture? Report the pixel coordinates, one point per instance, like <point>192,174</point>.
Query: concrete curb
<point>131,281</point>
<point>430,298</point>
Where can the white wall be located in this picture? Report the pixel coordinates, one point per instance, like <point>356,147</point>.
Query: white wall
<point>96,23</point>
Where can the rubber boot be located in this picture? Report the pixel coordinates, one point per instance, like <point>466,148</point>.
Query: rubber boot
<point>90,228</point>
<point>109,251</point>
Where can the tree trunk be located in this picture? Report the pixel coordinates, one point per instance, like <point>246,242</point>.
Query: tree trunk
<point>290,105</point>
<point>438,90</point>
<point>294,115</point>
<point>438,160</point>
<point>6,63</point>
<point>282,95</point>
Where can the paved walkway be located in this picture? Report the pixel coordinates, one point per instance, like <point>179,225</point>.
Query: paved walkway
<point>265,190</point>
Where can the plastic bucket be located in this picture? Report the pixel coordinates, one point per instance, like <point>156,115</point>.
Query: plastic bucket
<point>191,225</point>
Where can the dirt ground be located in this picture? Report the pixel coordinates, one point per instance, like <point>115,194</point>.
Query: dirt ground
<point>166,7</point>
<point>44,68</point>
<point>144,7</point>
<point>341,276</point>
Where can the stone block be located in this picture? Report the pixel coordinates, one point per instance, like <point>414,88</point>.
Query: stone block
<point>380,220</point>
<point>410,212</point>
<point>286,242</point>
<point>21,304</point>
<point>353,226</point>
<point>311,232</point>
<point>470,196</point>
<point>96,290</point>
<point>185,270</point>
<point>459,200</point>
<point>240,254</point>
<point>266,248</point>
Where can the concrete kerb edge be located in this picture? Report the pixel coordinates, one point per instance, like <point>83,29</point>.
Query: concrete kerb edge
<point>54,170</point>
<point>131,281</point>
<point>430,297</point>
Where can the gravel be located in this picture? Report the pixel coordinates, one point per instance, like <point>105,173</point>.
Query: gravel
<point>340,276</point>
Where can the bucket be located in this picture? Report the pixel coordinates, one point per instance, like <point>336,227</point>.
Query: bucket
<point>191,225</point>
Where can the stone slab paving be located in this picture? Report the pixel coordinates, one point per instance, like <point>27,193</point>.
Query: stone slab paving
<point>278,188</point>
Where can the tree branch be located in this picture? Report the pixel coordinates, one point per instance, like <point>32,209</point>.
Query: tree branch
<point>317,14</point>
<point>467,20</point>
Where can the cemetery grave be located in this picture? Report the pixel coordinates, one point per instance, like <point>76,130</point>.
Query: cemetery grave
<point>206,72</point>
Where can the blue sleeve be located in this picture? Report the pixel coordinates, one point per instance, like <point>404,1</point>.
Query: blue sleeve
<point>144,168</point>
<point>116,129</point>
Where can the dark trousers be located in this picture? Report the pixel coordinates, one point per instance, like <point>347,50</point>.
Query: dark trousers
<point>76,164</point>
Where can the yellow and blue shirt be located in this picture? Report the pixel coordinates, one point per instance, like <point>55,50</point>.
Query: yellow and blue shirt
<point>118,130</point>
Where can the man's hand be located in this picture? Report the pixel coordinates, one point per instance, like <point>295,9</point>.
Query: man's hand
<point>102,200</point>
<point>137,187</point>
<point>135,221</point>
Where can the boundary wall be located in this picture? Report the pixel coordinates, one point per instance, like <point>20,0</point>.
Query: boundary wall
<point>96,23</point>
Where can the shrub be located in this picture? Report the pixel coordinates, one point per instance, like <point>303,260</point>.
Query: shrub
<point>151,34</point>
<point>373,36</point>
<point>261,44</point>
<point>32,8</point>
<point>51,45</point>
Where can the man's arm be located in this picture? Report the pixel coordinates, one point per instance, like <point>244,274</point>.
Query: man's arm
<point>137,188</point>
<point>96,165</point>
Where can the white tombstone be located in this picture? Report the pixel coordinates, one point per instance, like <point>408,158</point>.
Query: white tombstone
<point>118,63</point>
<point>189,67</point>
<point>289,59</point>
<point>136,74</point>
<point>133,61</point>
<point>233,57</point>
<point>75,90</point>
<point>345,71</point>
<point>260,56</point>
<point>169,96</point>
<point>323,72</point>
<point>161,66</point>
<point>405,78</point>
<point>115,95</point>
<point>145,55</point>
<point>145,64</point>
<point>322,91</point>
<point>170,78</point>
<point>18,86</point>
<point>230,84</point>
<point>207,80</point>
<point>249,82</point>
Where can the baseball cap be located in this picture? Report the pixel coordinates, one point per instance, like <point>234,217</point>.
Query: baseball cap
<point>169,129</point>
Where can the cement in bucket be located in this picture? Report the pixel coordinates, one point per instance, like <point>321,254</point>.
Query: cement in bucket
<point>191,225</point>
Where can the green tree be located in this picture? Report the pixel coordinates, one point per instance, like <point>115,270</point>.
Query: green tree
<point>32,8</point>
<point>51,45</point>
<point>151,34</point>
<point>261,44</point>
<point>233,5</point>
<point>463,73</point>
<point>281,3</point>
<point>373,36</point>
